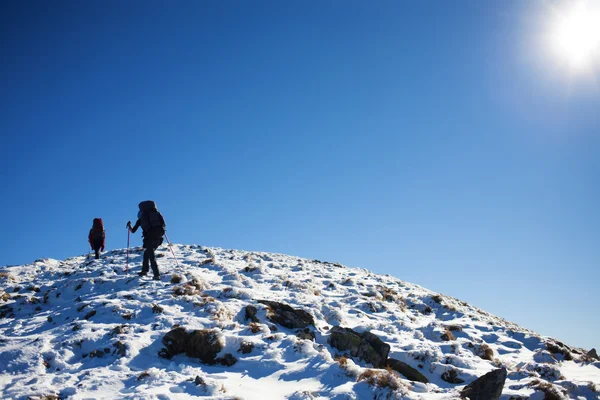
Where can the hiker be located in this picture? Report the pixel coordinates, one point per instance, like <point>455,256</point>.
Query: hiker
<point>153,228</point>
<point>97,236</point>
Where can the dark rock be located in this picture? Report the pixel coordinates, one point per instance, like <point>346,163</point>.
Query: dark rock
<point>174,341</point>
<point>90,314</point>
<point>486,387</point>
<point>287,316</point>
<point>365,346</point>
<point>592,354</point>
<point>121,348</point>
<point>202,344</point>
<point>6,311</point>
<point>306,334</point>
<point>97,354</point>
<point>227,360</point>
<point>156,309</point>
<point>199,381</point>
<point>118,330</point>
<point>246,347</point>
<point>4,296</point>
<point>251,313</point>
<point>451,376</point>
<point>409,372</point>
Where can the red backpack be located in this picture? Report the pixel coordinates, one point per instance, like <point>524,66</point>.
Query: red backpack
<point>97,231</point>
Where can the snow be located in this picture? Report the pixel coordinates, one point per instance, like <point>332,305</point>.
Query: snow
<point>81,328</point>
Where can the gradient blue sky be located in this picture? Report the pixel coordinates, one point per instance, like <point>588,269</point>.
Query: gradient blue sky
<point>432,140</point>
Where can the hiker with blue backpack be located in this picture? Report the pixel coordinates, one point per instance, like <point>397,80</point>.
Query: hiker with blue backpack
<point>153,229</point>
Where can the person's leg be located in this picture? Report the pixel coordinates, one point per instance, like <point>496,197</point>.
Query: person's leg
<point>145,266</point>
<point>152,257</point>
<point>97,247</point>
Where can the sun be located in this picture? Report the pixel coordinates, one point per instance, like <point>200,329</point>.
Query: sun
<point>575,34</point>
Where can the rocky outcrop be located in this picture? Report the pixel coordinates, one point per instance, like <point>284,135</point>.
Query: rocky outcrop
<point>486,387</point>
<point>365,346</point>
<point>592,354</point>
<point>287,316</point>
<point>203,344</point>
<point>409,372</point>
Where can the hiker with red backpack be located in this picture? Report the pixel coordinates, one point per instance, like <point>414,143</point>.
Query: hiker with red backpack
<point>153,228</point>
<point>97,236</point>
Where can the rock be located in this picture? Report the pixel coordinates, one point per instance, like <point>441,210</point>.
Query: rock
<point>199,381</point>
<point>174,341</point>
<point>90,314</point>
<point>203,344</point>
<point>409,372</point>
<point>251,313</point>
<point>486,387</point>
<point>121,348</point>
<point>4,296</point>
<point>365,346</point>
<point>287,316</point>
<point>6,311</point>
<point>246,347</point>
<point>227,360</point>
<point>592,353</point>
<point>96,354</point>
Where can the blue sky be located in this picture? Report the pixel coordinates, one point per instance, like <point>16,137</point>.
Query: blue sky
<point>428,140</point>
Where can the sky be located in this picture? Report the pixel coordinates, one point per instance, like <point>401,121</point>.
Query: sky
<point>446,144</point>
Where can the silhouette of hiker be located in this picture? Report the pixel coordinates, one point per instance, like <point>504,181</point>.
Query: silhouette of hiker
<point>153,228</point>
<point>97,236</point>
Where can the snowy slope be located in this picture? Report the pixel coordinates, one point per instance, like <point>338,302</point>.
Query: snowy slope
<point>86,329</point>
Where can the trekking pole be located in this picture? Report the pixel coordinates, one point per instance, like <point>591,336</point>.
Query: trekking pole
<point>127,262</point>
<point>171,246</point>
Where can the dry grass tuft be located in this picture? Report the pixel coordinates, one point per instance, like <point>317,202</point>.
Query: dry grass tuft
<point>454,328</point>
<point>447,335</point>
<point>254,327</point>
<point>559,348</point>
<point>484,351</point>
<point>380,378</point>
<point>437,298</point>
<point>176,278</point>
<point>207,261</point>
<point>341,360</point>
<point>550,391</point>
<point>191,288</point>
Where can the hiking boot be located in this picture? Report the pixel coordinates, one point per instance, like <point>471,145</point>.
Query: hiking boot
<point>142,273</point>
<point>156,277</point>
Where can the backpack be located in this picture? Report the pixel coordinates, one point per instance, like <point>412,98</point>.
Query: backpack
<point>151,220</point>
<point>97,232</point>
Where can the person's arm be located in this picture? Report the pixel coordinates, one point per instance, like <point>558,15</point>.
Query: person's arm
<point>90,238</point>
<point>103,240</point>
<point>135,228</point>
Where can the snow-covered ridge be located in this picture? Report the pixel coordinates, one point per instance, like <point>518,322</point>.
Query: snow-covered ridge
<point>84,328</point>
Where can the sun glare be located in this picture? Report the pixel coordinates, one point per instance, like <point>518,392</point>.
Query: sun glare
<point>575,37</point>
